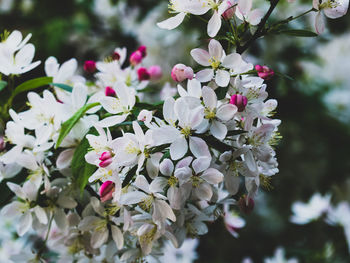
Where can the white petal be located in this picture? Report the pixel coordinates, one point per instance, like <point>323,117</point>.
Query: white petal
<point>166,167</point>
<point>232,61</point>
<point>201,56</point>
<point>162,211</point>
<point>199,147</point>
<point>244,6</point>
<point>79,95</point>
<point>111,105</point>
<point>60,219</point>
<point>214,25</point>
<point>98,238</point>
<point>209,98</point>
<point>222,78</point>
<point>132,198</point>
<point>200,164</point>
<point>205,75</point>
<point>178,148</point>
<point>232,183</point>
<point>218,130</point>
<point>111,121</point>
<point>64,159</point>
<point>24,223</point>
<point>17,190</point>
<point>40,214</point>
<point>204,191</point>
<point>172,22</point>
<point>212,176</point>
<point>320,23</point>
<point>158,185</point>
<point>226,112</point>
<point>194,88</point>
<point>255,17</point>
<point>142,183</point>
<point>117,236</point>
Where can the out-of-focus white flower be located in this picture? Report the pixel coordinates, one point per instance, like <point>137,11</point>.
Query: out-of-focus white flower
<point>23,209</point>
<point>184,254</point>
<point>331,8</point>
<point>304,213</point>
<point>340,215</point>
<point>16,55</point>
<point>279,257</point>
<point>245,12</point>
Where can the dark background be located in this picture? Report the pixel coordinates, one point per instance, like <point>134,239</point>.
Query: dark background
<point>314,153</point>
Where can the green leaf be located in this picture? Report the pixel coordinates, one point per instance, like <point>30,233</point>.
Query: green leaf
<point>298,33</point>
<point>81,170</point>
<point>62,86</point>
<point>129,176</point>
<point>283,75</point>
<point>68,125</point>
<point>31,85</point>
<point>3,84</point>
<point>221,92</point>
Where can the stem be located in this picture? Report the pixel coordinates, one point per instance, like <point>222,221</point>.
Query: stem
<point>260,31</point>
<point>38,255</point>
<point>48,229</point>
<point>289,19</point>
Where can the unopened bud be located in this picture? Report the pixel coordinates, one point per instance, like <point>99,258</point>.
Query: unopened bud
<point>264,72</point>
<point>240,101</point>
<point>155,72</point>
<point>109,91</point>
<point>230,11</point>
<point>2,143</point>
<point>90,66</point>
<point>143,74</point>
<point>116,56</point>
<point>180,72</point>
<point>143,51</point>
<point>106,159</point>
<point>107,190</point>
<point>136,58</point>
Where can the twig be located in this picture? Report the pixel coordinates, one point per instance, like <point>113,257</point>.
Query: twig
<point>260,31</point>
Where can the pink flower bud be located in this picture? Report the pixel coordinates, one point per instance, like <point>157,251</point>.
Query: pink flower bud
<point>107,190</point>
<point>2,143</point>
<point>230,11</point>
<point>240,101</point>
<point>136,58</point>
<point>180,72</point>
<point>245,204</point>
<point>105,156</point>
<point>116,56</point>
<point>264,72</point>
<point>106,159</point>
<point>143,74</point>
<point>109,91</point>
<point>90,66</point>
<point>155,72</point>
<point>143,51</point>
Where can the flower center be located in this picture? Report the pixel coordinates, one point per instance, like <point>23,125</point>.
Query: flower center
<point>209,114</point>
<point>172,181</point>
<point>186,131</point>
<point>214,62</point>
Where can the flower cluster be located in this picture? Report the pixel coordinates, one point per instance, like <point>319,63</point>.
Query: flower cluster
<point>161,171</point>
<point>106,174</point>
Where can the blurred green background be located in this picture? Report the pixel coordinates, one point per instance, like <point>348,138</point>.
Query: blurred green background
<point>314,153</point>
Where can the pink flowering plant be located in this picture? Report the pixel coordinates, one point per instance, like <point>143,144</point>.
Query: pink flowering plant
<point>107,174</point>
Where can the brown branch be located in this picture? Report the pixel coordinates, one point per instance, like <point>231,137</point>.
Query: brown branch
<point>261,28</point>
